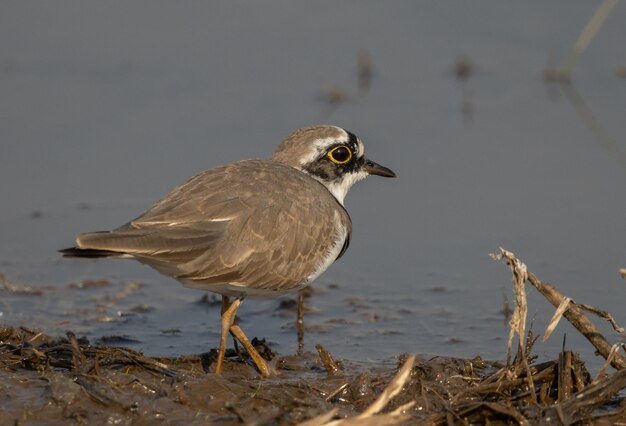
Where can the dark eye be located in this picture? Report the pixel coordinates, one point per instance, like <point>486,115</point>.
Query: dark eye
<point>340,155</point>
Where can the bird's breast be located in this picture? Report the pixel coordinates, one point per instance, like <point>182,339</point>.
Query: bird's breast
<point>330,254</point>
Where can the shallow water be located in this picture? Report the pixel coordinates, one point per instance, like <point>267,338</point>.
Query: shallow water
<point>105,108</point>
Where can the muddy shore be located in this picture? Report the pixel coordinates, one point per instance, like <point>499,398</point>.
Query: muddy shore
<point>68,380</point>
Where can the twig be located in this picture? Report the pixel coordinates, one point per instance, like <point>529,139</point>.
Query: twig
<point>545,375</point>
<point>565,383</point>
<point>370,416</point>
<point>95,394</point>
<point>574,314</point>
<point>608,142</point>
<point>616,347</point>
<point>556,318</point>
<point>585,401</point>
<point>518,321</point>
<point>391,390</point>
<point>579,320</point>
<point>584,39</point>
<point>496,408</point>
<point>78,358</point>
<point>402,409</point>
<point>329,363</point>
<point>337,391</point>
<point>602,314</point>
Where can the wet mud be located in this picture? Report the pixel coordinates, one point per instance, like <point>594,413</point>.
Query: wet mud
<point>71,381</point>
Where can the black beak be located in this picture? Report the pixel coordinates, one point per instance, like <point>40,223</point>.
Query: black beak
<point>378,170</point>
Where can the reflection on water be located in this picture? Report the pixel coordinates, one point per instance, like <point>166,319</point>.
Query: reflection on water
<point>103,112</point>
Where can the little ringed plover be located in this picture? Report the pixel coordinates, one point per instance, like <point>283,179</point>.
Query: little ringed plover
<point>252,228</point>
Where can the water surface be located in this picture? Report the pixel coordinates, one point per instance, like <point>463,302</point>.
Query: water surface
<point>105,107</point>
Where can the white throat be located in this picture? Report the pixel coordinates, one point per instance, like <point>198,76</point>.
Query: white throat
<point>339,189</point>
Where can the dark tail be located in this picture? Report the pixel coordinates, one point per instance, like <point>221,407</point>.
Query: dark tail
<point>93,253</point>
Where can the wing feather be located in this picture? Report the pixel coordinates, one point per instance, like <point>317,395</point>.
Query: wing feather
<point>252,223</point>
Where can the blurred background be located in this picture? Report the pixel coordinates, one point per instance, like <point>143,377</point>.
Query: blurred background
<point>106,106</point>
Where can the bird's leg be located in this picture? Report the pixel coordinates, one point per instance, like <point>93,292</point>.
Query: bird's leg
<point>229,324</point>
<point>261,364</point>
<point>237,349</point>
<point>300,321</point>
<point>229,312</point>
<point>225,305</point>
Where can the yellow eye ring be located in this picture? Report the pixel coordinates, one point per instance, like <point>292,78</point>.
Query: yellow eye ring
<point>340,154</point>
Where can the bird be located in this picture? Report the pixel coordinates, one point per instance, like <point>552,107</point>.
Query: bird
<point>256,228</point>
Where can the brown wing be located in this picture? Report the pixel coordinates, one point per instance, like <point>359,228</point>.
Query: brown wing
<point>254,223</point>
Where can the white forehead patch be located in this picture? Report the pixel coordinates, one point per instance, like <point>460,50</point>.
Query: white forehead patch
<point>360,148</point>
